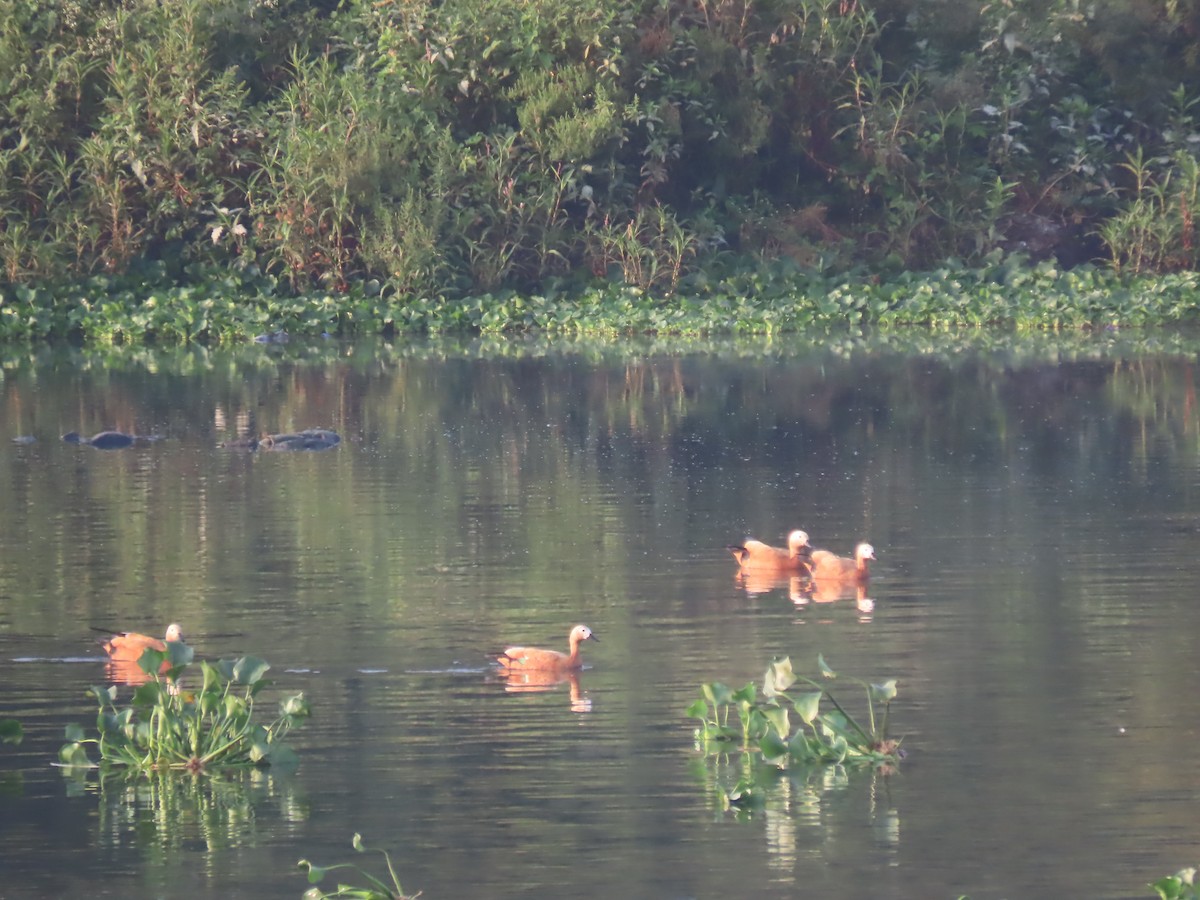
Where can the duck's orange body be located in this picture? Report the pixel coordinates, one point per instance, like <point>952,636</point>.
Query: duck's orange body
<point>830,569</point>
<point>130,646</point>
<point>517,659</point>
<point>753,554</point>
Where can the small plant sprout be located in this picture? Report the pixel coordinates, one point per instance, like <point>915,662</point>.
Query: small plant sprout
<point>378,889</point>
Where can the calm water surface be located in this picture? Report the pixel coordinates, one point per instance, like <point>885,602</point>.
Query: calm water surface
<point>1034,507</point>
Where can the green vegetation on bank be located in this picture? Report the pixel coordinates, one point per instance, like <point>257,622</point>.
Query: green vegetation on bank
<point>217,167</point>
<point>226,306</point>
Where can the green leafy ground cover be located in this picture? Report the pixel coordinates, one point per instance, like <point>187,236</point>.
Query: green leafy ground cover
<point>224,307</point>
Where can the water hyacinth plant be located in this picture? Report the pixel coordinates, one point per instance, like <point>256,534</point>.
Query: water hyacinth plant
<point>167,726</point>
<point>1180,886</point>
<point>378,890</point>
<point>765,723</point>
<point>764,729</point>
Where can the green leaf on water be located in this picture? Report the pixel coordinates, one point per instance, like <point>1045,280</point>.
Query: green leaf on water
<point>826,672</point>
<point>779,677</point>
<point>885,691</point>
<point>808,706</point>
<point>777,716</point>
<point>73,754</point>
<point>774,749</point>
<point>698,710</point>
<point>717,693</point>
<point>249,669</point>
<point>744,696</point>
<point>74,732</point>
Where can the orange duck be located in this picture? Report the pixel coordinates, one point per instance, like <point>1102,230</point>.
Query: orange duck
<point>129,647</point>
<point>830,569</point>
<point>753,554</point>
<point>516,659</point>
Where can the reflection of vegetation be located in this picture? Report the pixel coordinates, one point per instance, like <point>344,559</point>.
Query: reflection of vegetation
<point>765,729</point>
<point>166,727</point>
<point>218,811</point>
<point>1180,886</point>
<point>378,890</point>
<point>10,731</point>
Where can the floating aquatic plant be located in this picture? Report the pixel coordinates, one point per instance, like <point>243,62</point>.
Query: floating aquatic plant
<point>1180,886</point>
<point>166,726</point>
<point>378,890</point>
<point>783,728</point>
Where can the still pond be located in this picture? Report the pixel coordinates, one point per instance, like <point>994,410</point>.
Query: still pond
<point>1034,504</point>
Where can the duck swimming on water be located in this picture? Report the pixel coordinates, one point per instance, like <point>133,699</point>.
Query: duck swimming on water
<point>755,554</point>
<point>130,645</point>
<point>535,658</point>
<point>828,568</point>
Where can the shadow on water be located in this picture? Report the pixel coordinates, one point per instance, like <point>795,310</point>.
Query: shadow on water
<point>1034,501</point>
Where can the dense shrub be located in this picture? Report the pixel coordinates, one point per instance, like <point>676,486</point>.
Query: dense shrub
<point>456,148</point>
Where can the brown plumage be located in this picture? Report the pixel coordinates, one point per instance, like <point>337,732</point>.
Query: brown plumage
<point>828,568</point>
<point>527,658</point>
<point>756,554</point>
<point>130,646</point>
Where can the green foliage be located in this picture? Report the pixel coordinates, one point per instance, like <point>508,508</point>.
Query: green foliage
<point>1180,886</point>
<point>784,729</point>
<point>167,726</point>
<point>444,151</point>
<point>378,890</point>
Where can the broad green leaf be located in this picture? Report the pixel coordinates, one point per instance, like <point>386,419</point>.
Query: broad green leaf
<point>774,750</point>
<point>151,660</point>
<point>826,672</point>
<point>884,692</point>
<point>296,706</point>
<point>249,669</point>
<point>717,693</point>
<point>74,732</point>
<point>777,717</point>
<point>779,677</point>
<point>698,710</point>
<point>73,754</point>
<point>179,654</point>
<point>315,873</point>
<point>808,706</point>
<point>745,696</point>
<point>147,694</point>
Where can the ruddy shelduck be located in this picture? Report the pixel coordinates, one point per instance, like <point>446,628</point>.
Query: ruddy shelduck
<point>516,659</point>
<point>129,647</point>
<point>757,555</point>
<point>828,568</point>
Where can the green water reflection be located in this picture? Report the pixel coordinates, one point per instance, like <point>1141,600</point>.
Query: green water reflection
<point>1033,501</point>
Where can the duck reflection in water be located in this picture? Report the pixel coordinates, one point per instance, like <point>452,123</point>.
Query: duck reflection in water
<point>812,592</point>
<point>803,590</point>
<point>537,682</point>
